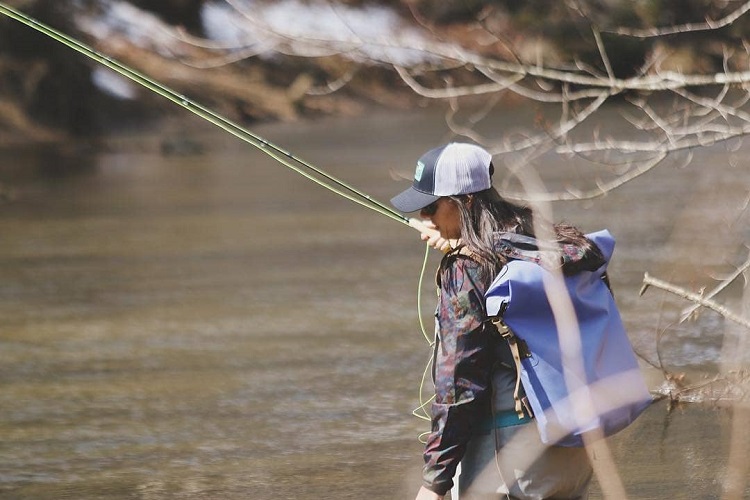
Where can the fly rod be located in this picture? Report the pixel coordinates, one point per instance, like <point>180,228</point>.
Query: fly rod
<point>282,156</point>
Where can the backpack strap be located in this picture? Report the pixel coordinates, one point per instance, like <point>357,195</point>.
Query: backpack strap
<point>519,350</point>
<point>518,347</point>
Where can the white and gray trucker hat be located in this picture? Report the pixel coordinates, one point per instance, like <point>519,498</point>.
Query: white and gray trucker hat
<point>452,169</point>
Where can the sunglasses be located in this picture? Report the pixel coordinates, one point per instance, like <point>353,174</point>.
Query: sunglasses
<point>430,209</point>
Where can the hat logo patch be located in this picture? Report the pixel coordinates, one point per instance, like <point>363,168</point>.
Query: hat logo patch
<point>419,171</point>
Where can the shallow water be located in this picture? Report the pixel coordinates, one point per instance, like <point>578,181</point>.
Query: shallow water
<point>215,326</point>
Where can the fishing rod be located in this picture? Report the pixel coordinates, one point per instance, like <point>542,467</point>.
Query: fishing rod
<point>282,156</point>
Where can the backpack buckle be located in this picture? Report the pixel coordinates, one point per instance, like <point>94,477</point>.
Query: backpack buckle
<point>514,340</point>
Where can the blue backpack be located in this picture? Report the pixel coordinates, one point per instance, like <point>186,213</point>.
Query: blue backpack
<point>601,391</point>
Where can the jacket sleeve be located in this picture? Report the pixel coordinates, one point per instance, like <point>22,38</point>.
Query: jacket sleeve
<point>462,372</point>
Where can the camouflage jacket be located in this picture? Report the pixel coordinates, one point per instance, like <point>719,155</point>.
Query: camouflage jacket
<point>468,355</point>
<point>467,350</point>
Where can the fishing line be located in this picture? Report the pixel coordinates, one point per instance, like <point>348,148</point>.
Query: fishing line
<point>421,410</point>
<point>419,294</point>
<point>282,156</point>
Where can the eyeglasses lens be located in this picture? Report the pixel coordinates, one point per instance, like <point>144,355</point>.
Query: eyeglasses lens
<point>430,209</point>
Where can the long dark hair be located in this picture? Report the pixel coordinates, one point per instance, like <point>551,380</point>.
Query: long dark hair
<point>485,213</point>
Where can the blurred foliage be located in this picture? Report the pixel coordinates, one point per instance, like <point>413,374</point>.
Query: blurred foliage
<point>52,84</point>
<point>45,77</point>
<point>184,13</point>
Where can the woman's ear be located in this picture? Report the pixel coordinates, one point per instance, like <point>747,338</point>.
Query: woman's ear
<point>469,201</point>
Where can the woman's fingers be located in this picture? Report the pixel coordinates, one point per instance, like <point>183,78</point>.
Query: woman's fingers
<point>431,235</point>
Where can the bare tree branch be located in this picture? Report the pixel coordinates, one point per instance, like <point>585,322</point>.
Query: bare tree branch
<point>603,53</point>
<point>694,297</point>
<point>686,28</point>
<point>689,312</point>
<point>442,69</point>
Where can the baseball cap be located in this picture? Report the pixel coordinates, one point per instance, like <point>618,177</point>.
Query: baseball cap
<point>448,170</point>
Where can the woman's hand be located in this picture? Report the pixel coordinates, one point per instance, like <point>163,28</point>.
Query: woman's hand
<point>425,494</point>
<point>432,235</point>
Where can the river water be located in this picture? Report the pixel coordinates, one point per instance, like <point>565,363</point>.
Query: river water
<point>214,326</point>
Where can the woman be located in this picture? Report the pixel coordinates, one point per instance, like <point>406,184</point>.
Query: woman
<point>473,417</point>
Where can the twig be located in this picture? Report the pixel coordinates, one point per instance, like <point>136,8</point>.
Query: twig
<point>603,53</point>
<point>694,297</point>
<point>687,313</point>
<point>686,28</point>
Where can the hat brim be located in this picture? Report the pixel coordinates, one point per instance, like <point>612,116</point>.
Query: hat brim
<point>412,200</point>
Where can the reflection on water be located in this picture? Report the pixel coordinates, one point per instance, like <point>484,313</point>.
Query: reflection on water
<point>214,326</point>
